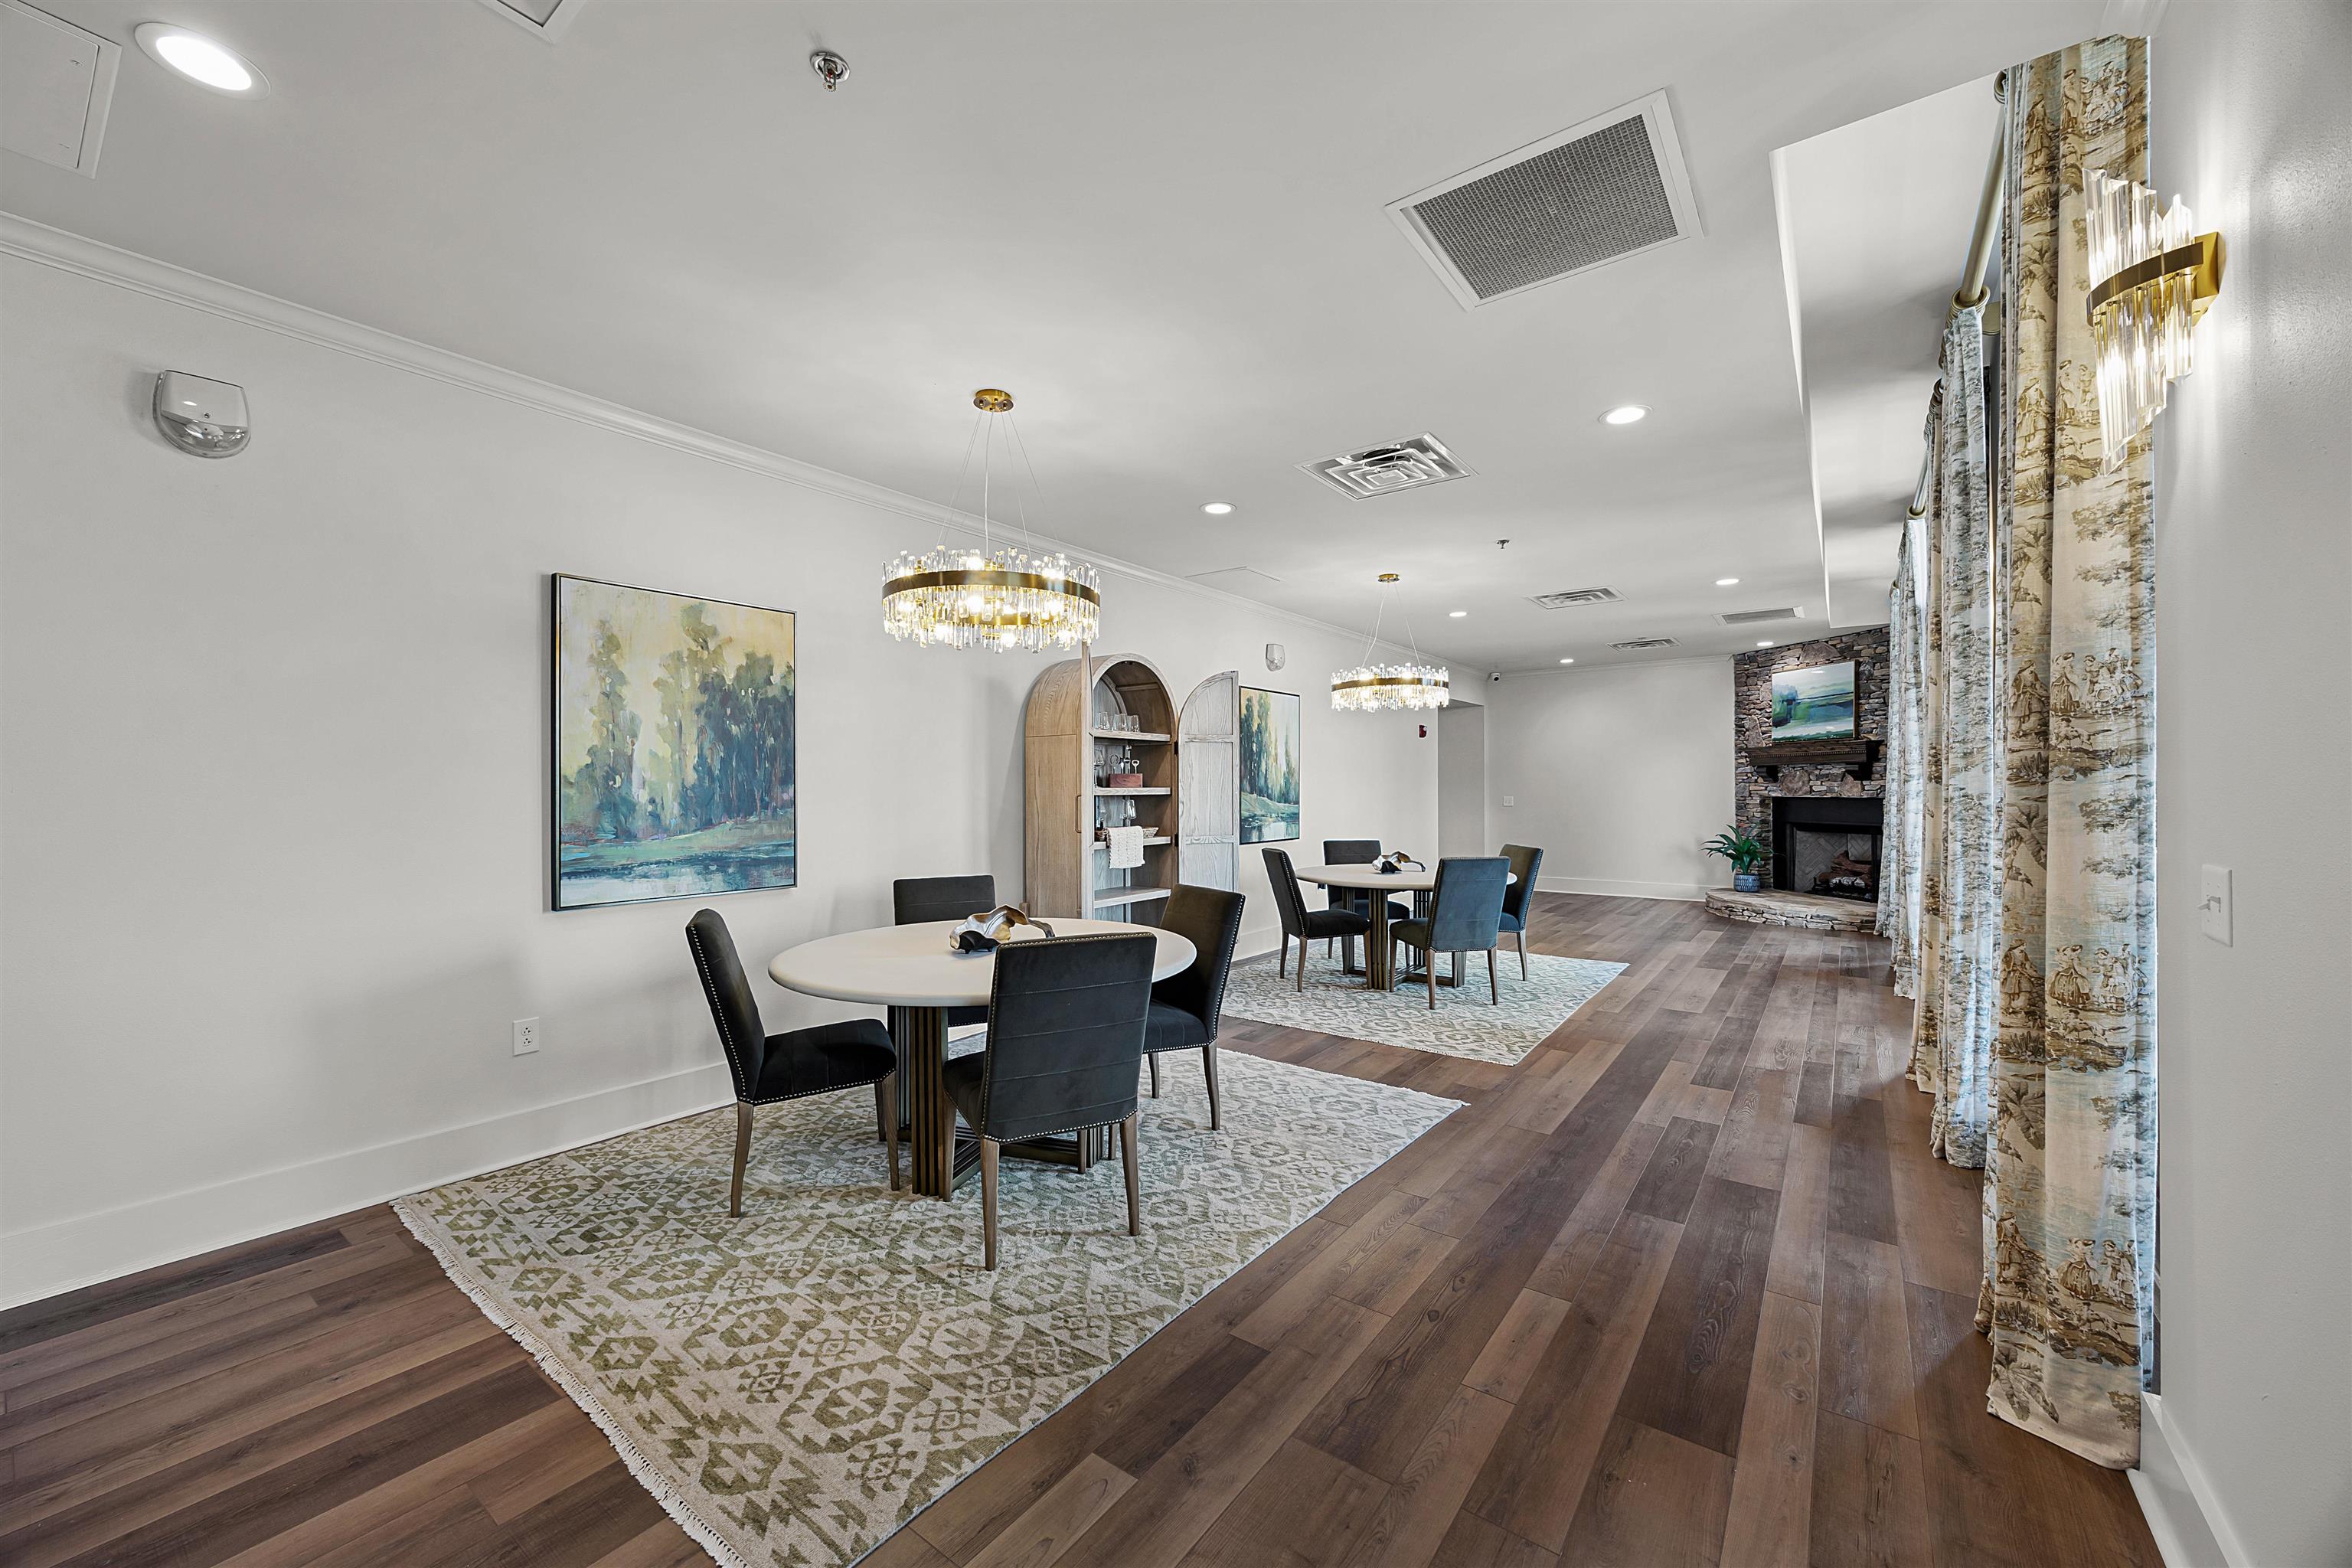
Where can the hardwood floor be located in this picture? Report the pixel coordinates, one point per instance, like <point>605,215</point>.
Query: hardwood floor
<point>1682,1286</point>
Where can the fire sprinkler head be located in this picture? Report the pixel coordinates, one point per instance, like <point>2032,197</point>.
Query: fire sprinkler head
<point>829,67</point>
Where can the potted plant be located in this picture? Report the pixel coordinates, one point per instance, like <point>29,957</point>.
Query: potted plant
<point>1745,852</point>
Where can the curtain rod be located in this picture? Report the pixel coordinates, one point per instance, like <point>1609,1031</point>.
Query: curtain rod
<point>1972,294</point>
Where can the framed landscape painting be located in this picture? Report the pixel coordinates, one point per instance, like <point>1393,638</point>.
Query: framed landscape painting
<point>1269,765</point>
<point>1813,704</point>
<point>673,746</point>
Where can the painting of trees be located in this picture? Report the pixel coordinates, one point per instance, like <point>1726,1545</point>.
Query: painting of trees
<point>675,745</point>
<point>1269,766</point>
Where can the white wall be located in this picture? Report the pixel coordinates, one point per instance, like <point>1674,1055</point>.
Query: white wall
<point>1463,820</point>
<point>1619,774</point>
<point>2251,123</point>
<point>274,773</point>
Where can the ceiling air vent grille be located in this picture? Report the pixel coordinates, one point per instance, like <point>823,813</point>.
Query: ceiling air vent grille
<point>1639,644</point>
<point>1757,617</point>
<point>1406,464</point>
<point>1561,601</point>
<point>1612,187</point>
<point>541,19</point>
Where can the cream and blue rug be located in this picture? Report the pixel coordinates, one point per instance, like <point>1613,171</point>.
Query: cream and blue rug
<point>1465,1022</point>
<point>796,1384</point>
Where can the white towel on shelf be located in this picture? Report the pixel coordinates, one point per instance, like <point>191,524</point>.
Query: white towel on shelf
<point>1126,848</point>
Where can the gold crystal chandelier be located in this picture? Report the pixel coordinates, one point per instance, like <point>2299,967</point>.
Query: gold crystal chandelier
<point>1384,687</point>
<point>2155,275</point>
<point>1000,596</point>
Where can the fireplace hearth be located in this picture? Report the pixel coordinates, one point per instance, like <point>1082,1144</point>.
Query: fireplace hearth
<point>1827,844</point>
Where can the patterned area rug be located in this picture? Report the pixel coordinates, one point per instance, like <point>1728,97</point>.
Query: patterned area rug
<point>796,1384</point>
<point>1465,1024</point>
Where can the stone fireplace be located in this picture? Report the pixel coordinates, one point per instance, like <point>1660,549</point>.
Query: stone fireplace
<point>1828,845</point>
<point>1815,805</point>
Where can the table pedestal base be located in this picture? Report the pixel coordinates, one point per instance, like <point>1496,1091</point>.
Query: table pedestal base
<point>943,1153</point>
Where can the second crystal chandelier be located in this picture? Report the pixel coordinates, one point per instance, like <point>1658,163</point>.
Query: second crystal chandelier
<point>1384,687</point>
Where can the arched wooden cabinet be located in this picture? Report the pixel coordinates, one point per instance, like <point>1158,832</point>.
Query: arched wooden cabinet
<point>1072,735</point>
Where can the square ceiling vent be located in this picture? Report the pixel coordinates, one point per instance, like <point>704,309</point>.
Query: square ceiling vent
<point>1406,464</point>
<point>1758,617</point>
<point>1638,644</point>
<point>541,19</point>
<point>1611,188</point>
<point>56,83</point>
<point>1569,597</point>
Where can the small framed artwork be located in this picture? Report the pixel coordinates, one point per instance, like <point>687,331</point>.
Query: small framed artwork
<point>674,757</point>
<point>1269,766</point>
<point>1815,703</point>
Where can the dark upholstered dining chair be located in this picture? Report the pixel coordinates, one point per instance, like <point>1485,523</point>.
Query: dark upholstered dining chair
<point>916,900</point>
<point>1184,1006</point>
<point>1067,1018</point>
<point>1300,921</point>
<point>791,1066</point>
<point>1525,863</point>
<point>1356,852</point>
<point>1466,915</point>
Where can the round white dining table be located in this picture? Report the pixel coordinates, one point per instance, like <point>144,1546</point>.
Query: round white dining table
<point>909,970</point>
<point>1380,958</point>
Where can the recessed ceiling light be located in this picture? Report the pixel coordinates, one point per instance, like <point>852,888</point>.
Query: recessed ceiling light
<point>1218,508</point>
<point>202,61</point>
<point>1626,414</point>
<point>1726,582</point>
<point>1456,615</point>
<point>1568,661</point>
<point>1764,643</point>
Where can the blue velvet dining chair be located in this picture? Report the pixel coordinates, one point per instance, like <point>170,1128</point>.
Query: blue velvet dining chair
<point>1525,863</point>
<point>1466,915</point>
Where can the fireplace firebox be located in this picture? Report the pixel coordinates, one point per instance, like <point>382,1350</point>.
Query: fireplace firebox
<point>1828,845</point>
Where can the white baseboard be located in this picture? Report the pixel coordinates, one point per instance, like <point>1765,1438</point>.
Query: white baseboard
<point>49,1259</point>
<point>2182,1514</point>
<point>1602,888</point>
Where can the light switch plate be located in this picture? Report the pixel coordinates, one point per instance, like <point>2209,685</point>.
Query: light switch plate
<point>1510,800</point>
<point>2214,910</point>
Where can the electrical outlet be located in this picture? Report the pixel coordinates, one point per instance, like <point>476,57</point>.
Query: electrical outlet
<point>526,1036</point>
<point>2214,904</point>
<point>1510,800</point>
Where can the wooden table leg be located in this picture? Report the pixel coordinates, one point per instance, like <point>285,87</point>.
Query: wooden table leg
<point>1379,965</point>
<point>921,1036</point>
<point>900,1021</point>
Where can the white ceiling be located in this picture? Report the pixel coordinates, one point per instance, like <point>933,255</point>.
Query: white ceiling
<point>1876,219</point>
<point>1161,226</point>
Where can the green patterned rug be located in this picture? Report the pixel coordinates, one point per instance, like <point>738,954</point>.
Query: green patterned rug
<point>796,1384</point>
<point>1464,1023</point>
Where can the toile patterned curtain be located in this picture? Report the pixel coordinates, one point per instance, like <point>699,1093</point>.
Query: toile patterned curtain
<point>2069,1190</point>
<point>1960,782</point>
<point>1898,888</point>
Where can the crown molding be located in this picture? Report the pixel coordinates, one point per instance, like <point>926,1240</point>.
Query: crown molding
<point>67,252</point>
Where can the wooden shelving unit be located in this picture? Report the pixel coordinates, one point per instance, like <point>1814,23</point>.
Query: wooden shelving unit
<point>1067,744</point>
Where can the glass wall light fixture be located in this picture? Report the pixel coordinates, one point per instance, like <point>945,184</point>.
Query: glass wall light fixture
<point>2153,275</point>
<point>1004,597</point>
